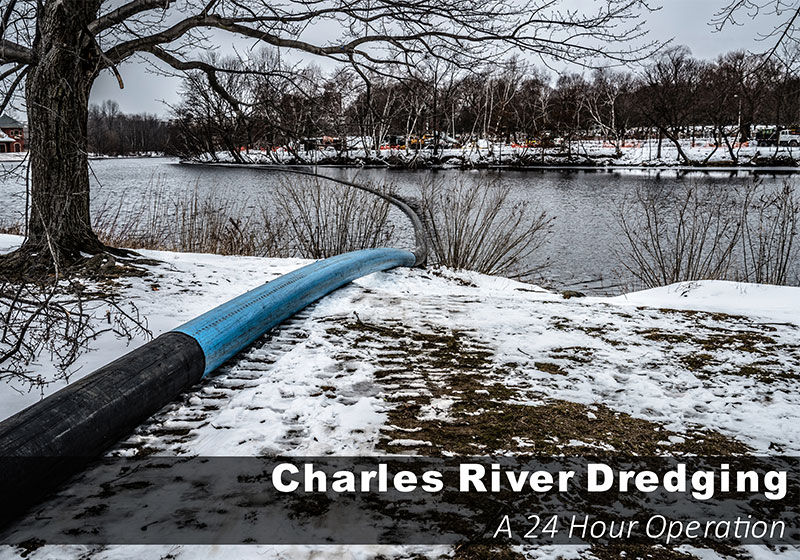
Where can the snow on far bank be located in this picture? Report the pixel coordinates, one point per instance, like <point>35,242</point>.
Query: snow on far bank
<point>15,157</point>
<point>701,152</point>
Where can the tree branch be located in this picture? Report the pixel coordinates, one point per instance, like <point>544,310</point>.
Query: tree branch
<point>7,17</point>
<point>12,52</point>
<point>209,70</point>
<point>126,11</point>
<point>12,70</point>
<point>526,34</point>
<point>12,88</point>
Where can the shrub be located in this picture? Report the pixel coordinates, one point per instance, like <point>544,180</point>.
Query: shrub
<point>479,227</point>
<point>692,233</point>
<point>327,219</point>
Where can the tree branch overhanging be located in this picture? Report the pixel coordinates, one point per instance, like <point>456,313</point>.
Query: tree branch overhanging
<point>13,52</point>
<point>126,11</point>
<point>12,88</point>
<point>209,70</point>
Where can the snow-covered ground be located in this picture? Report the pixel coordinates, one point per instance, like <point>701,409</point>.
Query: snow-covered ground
<point>13,157</point>
<point>483,153</point>
<point>704,367</point>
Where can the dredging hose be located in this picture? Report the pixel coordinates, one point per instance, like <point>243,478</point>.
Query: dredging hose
<point>44,444</point>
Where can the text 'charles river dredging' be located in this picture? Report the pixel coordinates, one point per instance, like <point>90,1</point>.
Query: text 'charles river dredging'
<point>474,477</point>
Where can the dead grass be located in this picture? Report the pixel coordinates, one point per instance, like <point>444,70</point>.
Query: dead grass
<point>192,221</point>
<point>485,552</point>
<point>549,367</point>
<point>626,551</point>
<point>489,416</point>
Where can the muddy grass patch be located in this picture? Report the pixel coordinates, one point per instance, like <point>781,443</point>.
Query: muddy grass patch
<point>739,341</point>
<point>450,396</point>
<point>768,371</point>
<point>577,354</point>
<point>485,552</point>
<point>638,552</point>
<point>698,362</point>
<point>483,426</point>
<point>707,366</point>
<point>711,345</point>
<point>549,367</point>
<point>704,331</point>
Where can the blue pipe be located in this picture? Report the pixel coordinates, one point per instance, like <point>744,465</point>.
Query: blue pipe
<point>232,326</point>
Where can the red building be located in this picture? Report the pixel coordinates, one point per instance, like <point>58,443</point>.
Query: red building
<point>12,135</point>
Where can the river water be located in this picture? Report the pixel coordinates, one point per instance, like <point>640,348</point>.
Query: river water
<point>581,251</point>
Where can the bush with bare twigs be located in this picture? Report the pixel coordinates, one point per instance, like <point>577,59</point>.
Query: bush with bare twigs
<point>685,234</point>
<point>480,228</point>
<point>303,217</point>
<point>190,222</point>
<point>329,219</point>
<point>11,227</point>
<point>769,234</point>
<point>694,233</point>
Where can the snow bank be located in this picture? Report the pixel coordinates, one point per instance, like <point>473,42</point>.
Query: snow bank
<point>775,303</point>
<point>488,154</point>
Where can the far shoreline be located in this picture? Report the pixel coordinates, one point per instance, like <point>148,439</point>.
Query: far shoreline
<point>587,167</point>
<point>754,169</point>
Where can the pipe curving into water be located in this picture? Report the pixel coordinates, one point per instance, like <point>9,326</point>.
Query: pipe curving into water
<point>420,233</point>
<point>227,329</point>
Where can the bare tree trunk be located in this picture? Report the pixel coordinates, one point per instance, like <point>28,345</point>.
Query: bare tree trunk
<point>660,140</point>
<point>729,146</point>
<point>57,96</point>
<point>674,137</point>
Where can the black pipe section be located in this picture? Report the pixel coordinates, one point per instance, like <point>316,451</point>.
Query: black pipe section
<point>44,444</point>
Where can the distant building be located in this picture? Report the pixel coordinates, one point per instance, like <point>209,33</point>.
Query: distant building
<point>12,135</point>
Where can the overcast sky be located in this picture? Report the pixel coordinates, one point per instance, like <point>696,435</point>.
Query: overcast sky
<point>686,22</point>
